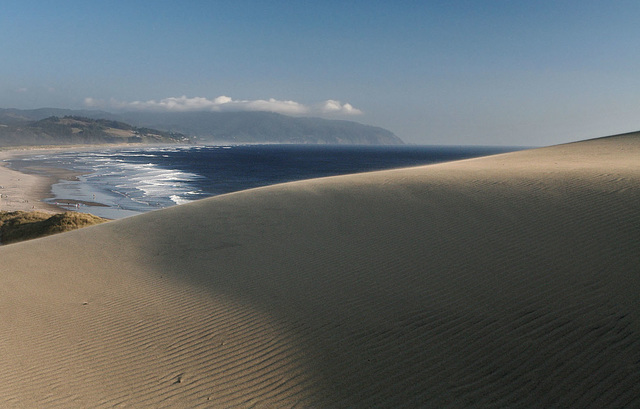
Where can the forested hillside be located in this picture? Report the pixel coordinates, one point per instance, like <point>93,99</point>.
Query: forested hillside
<point>16,131</point>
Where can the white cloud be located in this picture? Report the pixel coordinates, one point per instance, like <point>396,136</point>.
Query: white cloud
<point>331,106</point>
<point>225,103</point>
<point>93,103</point>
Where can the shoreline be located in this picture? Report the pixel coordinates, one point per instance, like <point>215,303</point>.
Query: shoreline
<point>26,160</point>
<point>26,189</point>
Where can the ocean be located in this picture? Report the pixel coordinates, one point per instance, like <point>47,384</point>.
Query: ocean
<point>122,182</point>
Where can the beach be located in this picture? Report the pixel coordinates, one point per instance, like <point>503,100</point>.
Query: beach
<point>503,281</point>
<point>23,191</point>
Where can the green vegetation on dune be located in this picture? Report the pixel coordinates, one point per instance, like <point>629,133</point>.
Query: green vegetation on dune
<point>20,225</point>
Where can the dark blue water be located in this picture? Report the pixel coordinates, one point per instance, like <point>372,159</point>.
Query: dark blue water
<point>131,181</point>
<point>228,169</point>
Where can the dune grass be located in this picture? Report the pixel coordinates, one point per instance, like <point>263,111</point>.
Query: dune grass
<point>20,225</point>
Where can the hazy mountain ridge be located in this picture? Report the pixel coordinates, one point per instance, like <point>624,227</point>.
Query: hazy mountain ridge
<point>264,127</point>
<point>235,127</point>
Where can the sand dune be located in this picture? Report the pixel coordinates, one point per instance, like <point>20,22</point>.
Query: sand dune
<point>506,281</point>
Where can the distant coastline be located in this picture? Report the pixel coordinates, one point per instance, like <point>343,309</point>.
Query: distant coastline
<point>63,126</point>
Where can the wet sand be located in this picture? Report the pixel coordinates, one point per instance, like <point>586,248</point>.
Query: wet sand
<point>25,191</point>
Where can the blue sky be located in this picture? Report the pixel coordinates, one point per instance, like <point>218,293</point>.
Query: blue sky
<point>433,72</point>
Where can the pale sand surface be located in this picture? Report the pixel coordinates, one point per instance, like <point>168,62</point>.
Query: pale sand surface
<point>22,191</point>
<point>507,281</point>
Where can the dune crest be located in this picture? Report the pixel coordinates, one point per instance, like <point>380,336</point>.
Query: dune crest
<point>505,281</point>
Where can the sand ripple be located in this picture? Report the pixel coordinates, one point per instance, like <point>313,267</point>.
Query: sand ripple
<point>509,281</point>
